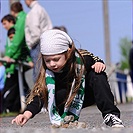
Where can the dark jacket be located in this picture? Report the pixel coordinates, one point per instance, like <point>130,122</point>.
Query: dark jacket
<point>61,82</point>
<point>131,59</point>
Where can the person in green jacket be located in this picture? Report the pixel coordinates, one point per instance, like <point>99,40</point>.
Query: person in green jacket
<point>18,42</point>
<point>15,49</point>
<point>8,21</point>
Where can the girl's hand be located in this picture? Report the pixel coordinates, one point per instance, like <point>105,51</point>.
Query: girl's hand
<point>22,118</point>
<point>98,67</point>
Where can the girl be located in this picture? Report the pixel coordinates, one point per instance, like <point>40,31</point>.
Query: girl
<point>69,80</point>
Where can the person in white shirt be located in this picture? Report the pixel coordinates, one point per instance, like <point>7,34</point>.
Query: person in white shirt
<point>37,21</point>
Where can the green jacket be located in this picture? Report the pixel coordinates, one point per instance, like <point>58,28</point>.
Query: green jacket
<point>17,48</point>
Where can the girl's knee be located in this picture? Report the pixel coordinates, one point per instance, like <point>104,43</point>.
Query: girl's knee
<point>96,77</point>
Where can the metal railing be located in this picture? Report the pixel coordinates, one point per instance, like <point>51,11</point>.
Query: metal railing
<point>121,84</point>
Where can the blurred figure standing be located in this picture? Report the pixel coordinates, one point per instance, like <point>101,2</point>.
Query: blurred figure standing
<point>37,21</point>
<point>2,82</point>
<point>11,83</point>
<point>14,50</point>
<point>131,62</point>
<point>2,76</point>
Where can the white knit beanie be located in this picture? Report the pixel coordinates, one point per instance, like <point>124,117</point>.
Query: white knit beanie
<point>54,42</point>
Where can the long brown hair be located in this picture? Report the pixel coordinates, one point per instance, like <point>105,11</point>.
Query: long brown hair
<point>40,88</point>
<point>71,60</point>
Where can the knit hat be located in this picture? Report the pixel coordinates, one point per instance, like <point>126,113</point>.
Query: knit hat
<point>54,42</point>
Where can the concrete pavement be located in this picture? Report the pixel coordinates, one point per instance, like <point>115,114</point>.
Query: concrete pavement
<point>91,115</point>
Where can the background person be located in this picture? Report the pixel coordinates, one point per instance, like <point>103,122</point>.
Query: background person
<point>24,58</point>
<point>2,76</point>
<point>37,21</point>
<point>8,21</point>
<point>2,82</point>
<point>131,62</point>
<point>14,50</point>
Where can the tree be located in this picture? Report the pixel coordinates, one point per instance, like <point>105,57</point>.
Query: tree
<point>125,46</point>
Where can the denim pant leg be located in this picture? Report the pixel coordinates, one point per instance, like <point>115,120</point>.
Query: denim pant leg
<point>34,52</point>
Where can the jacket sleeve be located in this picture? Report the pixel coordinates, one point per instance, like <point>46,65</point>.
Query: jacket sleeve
<point>32,29</point>
<point>17,39</point>
<point>131,58</point>
<point>35,106</point>
<point>90,60</point>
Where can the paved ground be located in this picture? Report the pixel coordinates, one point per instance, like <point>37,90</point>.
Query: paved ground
<point>91,115</point>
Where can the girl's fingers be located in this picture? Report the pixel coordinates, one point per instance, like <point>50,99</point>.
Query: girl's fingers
<point>101,68</point>
<point>104,67</point>
<point>14,120</point>
<point>18,120</point>
<point>23,122</point>
<point>93,66</point>
<point>98,67</point>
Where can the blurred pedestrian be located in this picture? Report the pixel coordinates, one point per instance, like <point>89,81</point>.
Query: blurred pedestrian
<point>2,82</point>
<point>8,21</point>
<point>19,37</point>
<point>14,50</point>
<point>11,83</point>
<point>2,76</point>
<point>37,21</point>
<point>18,41</point>
<point>24,58</point>
<point>131,62</point>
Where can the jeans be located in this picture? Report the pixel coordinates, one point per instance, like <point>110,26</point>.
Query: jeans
<point>34,52</point>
